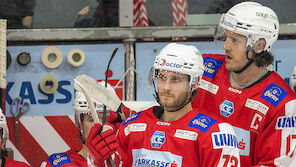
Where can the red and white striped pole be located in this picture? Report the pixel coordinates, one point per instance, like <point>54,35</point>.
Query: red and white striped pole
<point>140,13</point>
<point>179,8</point>
<point>140,16</point>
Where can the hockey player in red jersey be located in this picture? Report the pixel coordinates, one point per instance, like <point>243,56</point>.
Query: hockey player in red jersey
<point>84,122</point>
<point>5,161</point>
<point>238,88</point>
<point>174,134</point>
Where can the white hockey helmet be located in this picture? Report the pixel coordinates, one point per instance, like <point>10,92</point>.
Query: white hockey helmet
<point>293,77</point>
<point>3,126</point>
<point>180,58</point>
<point>254,21</point>
<point>80,104</point>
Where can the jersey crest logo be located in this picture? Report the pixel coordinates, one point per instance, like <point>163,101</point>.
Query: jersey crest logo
<point>211,66</point>
<point>226,108</point>
<point>202,122</point>
<point>274,94</point>
<point>157,139</point>
<point>59,159</point>
<point>132,118</point>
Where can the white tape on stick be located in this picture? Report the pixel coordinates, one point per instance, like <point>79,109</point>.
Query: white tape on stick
<point>52,57</point>
<point>76,57</point>
<point>48,84</point>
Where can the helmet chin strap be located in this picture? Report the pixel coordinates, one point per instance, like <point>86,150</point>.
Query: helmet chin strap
<point>248,64</point>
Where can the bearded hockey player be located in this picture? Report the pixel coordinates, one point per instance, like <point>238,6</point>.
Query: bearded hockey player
<point>238,88</point>
<point>175,134</point>
<point>5,161</point>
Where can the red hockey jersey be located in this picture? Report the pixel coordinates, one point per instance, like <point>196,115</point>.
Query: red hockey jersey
<point>7,162</point>
<point>193,140</point>
<point>263,115</point>
<point>67,159</point>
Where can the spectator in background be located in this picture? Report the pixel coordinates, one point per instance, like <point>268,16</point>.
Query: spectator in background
<point>104,15</point>
<point>19,13</point>
<point>221,6</point>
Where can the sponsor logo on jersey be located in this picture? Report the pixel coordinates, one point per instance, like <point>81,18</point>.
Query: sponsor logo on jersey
<point>274,94</point>
<point>135,127</point>
<point>132,118</point>
<point>163,123</point>
<point>226,108</point>
<point>286,122</point>
<point>235,90</point>
<point>151,162</point>
<point>208,86</point>
<point>211,66</point>
<point>59,159</point>
<point>202,122</point>
<point>243,138</point>
<point>222,140</point>
<point>144,157</point>
<point>185,134</point>
<point>169,63</point>
<point>257,105</point>
<point>157,139</point>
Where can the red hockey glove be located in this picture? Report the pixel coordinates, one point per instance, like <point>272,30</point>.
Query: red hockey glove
<point>101,143</point>
<point>120,115</point>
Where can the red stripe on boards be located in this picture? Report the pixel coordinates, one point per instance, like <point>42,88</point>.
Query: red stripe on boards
<point>66,129</point>
<point>27,146</point>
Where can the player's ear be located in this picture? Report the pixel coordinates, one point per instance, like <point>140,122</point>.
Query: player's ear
<point>259,45</point>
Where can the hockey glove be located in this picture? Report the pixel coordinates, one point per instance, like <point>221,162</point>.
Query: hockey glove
<point>101,143</point>
<point>120,115</point>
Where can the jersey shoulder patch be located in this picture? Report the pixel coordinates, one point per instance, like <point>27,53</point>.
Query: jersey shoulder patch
<point>59,159</point>
<point>274,94</point>
<point>211,65</point>
<point>132,118</point>
<point>202,122</point>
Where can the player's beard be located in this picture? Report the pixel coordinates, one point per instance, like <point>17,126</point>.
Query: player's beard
<point>171,102</point>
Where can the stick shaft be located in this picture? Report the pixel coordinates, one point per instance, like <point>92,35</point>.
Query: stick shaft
<point>106,82</point>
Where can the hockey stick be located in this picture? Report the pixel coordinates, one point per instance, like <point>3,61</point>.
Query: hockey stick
<point>105,110</point>
<point>98,92</point>
<point>2,63</point>
<point>106,83</point>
